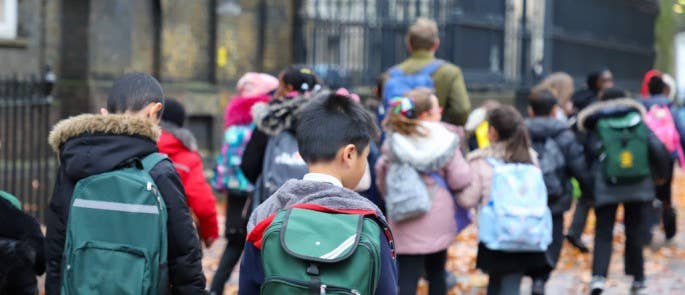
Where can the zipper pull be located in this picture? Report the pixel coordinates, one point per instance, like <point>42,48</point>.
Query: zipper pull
<point>323,290</point>
<point>149,186</point>
<point>355,292</point>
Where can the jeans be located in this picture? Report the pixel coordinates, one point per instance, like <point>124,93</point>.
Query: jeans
<point>553,251</point>
<point>504,283</point>
<point>633,219</point>
<point>235,233</point>
<point>411,267</point>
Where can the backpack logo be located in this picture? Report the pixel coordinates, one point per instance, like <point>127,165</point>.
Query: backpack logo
<point>290,159</point>
<point>626,159</point>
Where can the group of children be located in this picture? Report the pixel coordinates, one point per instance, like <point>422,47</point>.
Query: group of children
<point>315,207</point>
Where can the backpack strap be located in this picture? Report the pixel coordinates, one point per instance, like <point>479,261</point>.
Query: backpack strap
<point>151,160</point>
<point>395,71</point>
<point>433,66</point>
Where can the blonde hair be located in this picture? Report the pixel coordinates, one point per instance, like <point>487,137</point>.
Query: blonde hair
<point>560,85</point>
<point>411,126</point>
<point>423,34</point>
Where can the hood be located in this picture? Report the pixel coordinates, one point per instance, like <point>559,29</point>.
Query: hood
<point>540,128</point>
<point>278,115</point>
<point>174,138</point>
<point>425,153</point>
<point>92,144</point>
<point>644,90</point>
<point>238,111</point>
<point>310,192</point>
<point>588,117</point>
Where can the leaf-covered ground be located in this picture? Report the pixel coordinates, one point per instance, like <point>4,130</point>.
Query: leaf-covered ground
<point>665,264</point>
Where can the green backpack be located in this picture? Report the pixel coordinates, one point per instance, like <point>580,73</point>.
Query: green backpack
<point>306,251</point>
<point>625,143</point>
<point>116,237</point>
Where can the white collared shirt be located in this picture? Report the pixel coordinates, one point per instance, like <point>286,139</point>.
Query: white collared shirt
<point>320,177</point>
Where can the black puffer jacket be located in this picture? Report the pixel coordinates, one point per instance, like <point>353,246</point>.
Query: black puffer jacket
<point>94,144</point>
<point>659,158</point>
<point>541,128</point>
<point>22,254</point>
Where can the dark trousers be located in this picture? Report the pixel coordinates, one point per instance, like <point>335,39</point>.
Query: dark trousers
<point>411,268</point>
<point>553,251</point>
<point>577,226</point>
<point>633,219</point>
<point>236,222</point>
<point>668,215</point>
<point>504,284</point>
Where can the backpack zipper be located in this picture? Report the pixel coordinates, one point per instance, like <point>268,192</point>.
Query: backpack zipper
<point>323,289</point>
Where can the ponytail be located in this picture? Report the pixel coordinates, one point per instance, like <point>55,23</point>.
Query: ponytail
<point>512,132</point>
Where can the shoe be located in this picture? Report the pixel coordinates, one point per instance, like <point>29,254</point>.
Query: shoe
<point>597,285</point>
<point>576,242</point>
<point>670,223</point>
<point>538,287</point>
<point>638,288</point>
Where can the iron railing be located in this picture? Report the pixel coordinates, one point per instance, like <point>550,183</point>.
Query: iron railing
<point>26,160</point>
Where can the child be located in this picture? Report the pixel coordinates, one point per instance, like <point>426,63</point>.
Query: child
<point>252,88</point>
<point>417,137</point>
<point>275,126</point>
<point>561,157</point>
<point>662,120</point>
<point>124,134</point>
<point>333,134</point>
<point>626,160</point>
<point>181,147</point>
<point>21,249</point>
<point>509,144</point>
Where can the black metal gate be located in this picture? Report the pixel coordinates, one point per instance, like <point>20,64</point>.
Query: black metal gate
<point>359,39</point>
<point>584,35</point>
<point>26,160</point>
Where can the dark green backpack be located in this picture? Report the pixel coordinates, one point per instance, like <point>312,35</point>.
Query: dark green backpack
<point>116,237</point>
<point>306,251</point>
<point>625,144</point>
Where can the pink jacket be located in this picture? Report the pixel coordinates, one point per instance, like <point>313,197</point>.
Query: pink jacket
<point>478,191</point>
<point>437,229</point>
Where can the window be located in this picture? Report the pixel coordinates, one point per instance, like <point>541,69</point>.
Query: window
<point>8,19</point>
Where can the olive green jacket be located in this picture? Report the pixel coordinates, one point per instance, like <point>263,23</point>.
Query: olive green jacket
<point>449,86</point>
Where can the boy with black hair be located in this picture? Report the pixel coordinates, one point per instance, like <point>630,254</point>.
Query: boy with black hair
<point>333,135</point>
<point>561,157</point>
<point>119,140</point>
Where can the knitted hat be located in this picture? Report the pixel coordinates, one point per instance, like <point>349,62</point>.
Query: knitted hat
<point>256,84</point>
<point>174,112</point>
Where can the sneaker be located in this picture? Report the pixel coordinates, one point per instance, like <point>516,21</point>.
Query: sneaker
<point>576,242</point>
<point>638,288</point>
<point>597,285</point>
<point>538,287</point>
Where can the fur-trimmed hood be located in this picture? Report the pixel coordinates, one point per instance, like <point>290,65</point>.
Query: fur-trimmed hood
<point>93,144</point>
<point>278,115</point>
<point>588,117</point>
<point>183,135</point>
<point>497,151</point>
<point>114,124</point>
<point>425,153</point>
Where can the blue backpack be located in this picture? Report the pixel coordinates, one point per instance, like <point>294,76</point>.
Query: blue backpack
<point>227,173</point>
<point>399,83</point>
<point>516,219</point>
